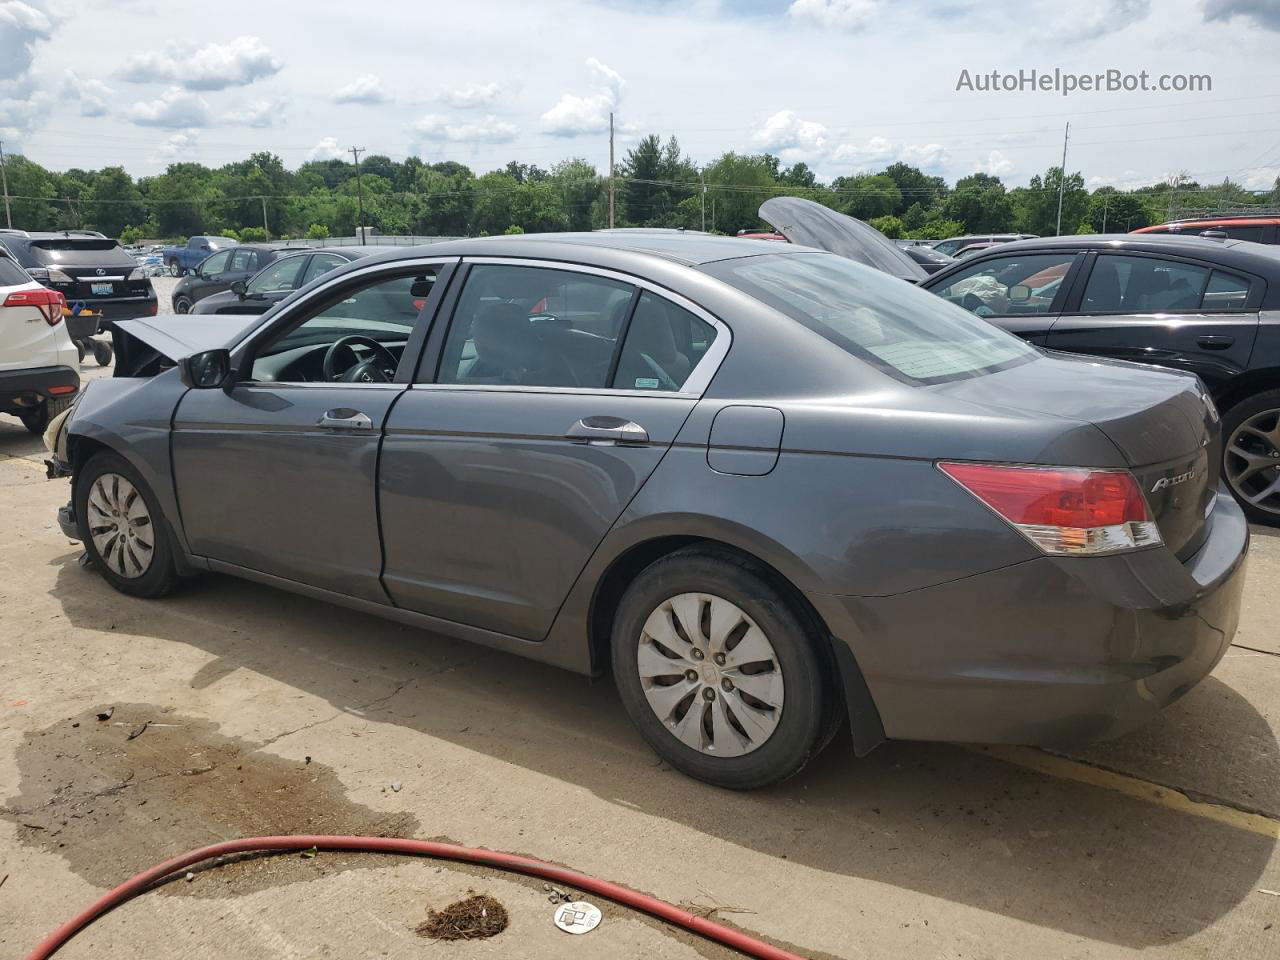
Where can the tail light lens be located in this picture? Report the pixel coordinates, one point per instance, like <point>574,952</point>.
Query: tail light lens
<point>1064,510</point>
<point>49,302</point>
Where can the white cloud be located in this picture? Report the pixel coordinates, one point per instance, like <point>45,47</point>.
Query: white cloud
<point>22,103</point>
<point>214,66</point>
<point>174,108</point>
<point>786,131</point>
<point>259,113</point>
<point>472,95</point>
<point>1091,19</point>
<point>367,89</point>
<point>996,164</point>
<point>92,94</point>
<point>327,149</point>
<point>847,15</point>
<point>574,115</point>
<point>178,146</point>
<point>487,130</point>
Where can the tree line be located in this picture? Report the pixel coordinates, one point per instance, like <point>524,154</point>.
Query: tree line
<point>656,185</point>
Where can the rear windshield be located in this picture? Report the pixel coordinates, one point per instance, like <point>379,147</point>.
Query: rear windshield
<point>11,274</point>
<point>891,324</point>
<point>79,252</point>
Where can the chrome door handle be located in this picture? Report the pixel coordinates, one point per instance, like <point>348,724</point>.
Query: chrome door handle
<point>344,418</point>
<point>608,428</point>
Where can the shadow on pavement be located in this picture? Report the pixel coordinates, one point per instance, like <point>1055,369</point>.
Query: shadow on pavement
<point>932,818</point>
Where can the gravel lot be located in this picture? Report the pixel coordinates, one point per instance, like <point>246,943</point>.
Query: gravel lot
<point>270,713</point>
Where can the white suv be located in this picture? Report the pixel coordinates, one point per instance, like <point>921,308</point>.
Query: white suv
<point>39,365</point>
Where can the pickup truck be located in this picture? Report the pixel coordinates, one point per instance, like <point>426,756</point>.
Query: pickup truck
<point>181,259</point>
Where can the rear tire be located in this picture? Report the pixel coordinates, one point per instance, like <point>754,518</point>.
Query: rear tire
<point>737,722</point>
<point>38,418</point>
<point>116,526</point>
<point>174,269</point>
<point>80,350</point>
<point>1251,455</point>
<point>101,352</point>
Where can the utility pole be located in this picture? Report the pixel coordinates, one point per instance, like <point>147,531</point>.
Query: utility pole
<point>4,179</point>
<point>702,175</point>
<point>265,228</point>
<point>1062,180</point>
<point>355,152</point>
<point>1174,183</point>
<point>611,182</point>
<point>1106,202</point>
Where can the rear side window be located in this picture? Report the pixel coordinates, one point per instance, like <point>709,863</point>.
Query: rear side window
<point>1120,284</point>
<point>533,326</point>
<point>663,344</point>
<point>1226,291</point>
<point>242,261</point>
<point>893,325</point>
<point>321,263</point>
<point>11,274</point>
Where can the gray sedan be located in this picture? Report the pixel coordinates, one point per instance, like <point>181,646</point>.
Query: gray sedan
<point>767,487</point>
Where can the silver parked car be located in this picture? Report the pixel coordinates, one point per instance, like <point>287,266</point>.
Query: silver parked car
<point>767,487</point>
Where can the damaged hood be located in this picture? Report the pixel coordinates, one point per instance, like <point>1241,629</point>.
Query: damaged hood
<point>813,225</point>
<point>179,336</point>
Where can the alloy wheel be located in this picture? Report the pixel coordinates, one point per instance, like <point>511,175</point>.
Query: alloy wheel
<point>120,526</point>
<point>710,675</point>
<point>1252,461</point>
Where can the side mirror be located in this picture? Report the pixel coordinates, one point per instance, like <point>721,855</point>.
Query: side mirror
<point>207,369</point>
<point>240,288</point>
<point>190,272</point>
<point>1019,293</point>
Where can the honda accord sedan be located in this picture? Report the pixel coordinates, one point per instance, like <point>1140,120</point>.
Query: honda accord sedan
<point>767,487</point>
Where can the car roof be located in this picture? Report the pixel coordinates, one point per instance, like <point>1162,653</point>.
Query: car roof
<point>677,246</point>
<point>1242,254</point>
<point>1200,222</point>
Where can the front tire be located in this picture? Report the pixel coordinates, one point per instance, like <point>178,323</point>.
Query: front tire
<point>1251,455</point>
<point>721,673</point>
<point>122,528</point>
<point>182,305</point>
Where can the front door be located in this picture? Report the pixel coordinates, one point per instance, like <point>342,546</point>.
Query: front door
<point>277,473</point>
<point>558,393</point>
<point>1176,313</point>
<point>1021,292</point>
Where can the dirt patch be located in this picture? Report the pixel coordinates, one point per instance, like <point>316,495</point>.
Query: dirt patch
<point>475,918</point>
<point>113,806</point>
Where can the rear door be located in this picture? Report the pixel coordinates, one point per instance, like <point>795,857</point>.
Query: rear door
<point>1177,313</point>
<point>1021,292</point>
<point>277,473</point>
<point>558,392</point>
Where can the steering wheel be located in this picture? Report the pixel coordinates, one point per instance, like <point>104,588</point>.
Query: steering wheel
<point>379,368</point>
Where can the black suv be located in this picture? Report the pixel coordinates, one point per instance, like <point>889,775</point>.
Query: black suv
<point>220,270</point>
<point>99,280</point>
<point>1209,306</point>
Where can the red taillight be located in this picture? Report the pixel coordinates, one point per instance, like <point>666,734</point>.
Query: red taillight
<point>1068,510</point>
<point>49,302</point>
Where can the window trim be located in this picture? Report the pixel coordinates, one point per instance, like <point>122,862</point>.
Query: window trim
<point>1253,302</point>
<point>246,348</point>
<point>695,385</point>
<point>1060,299</point>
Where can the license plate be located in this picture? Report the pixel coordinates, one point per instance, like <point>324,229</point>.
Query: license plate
<point>101,289</point>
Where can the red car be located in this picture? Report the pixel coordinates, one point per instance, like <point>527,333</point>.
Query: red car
<point>1257,229</point>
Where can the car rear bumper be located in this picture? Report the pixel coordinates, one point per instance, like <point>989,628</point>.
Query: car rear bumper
<point>20,388</point>
<point>1052,651</point>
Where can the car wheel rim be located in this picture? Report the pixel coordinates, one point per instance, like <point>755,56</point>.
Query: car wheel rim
<point>120,526</point>
<point>710,675</point>
<point>182,306</point>
<point>1252,461</point>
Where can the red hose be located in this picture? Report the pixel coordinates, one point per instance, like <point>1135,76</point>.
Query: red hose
<point>422,848</point>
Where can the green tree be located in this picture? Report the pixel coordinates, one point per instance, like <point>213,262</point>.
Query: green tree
<point>1036,205</point>
<point>1111,211</point>
<point>867,196</point>
<point>914,186</point>
<point>113,202</point>
<point>936,229</point>
<point>30,187</point>
<point>317,231</point>
<point>981,209</point>
<point>891,227</point>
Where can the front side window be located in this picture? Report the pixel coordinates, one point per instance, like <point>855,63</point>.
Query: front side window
<point>895,326</point>
<point>534,326</point>
<point>664,343</point>
<point>216,264</point>
<point>1120,284</point>
<point>1009,286</point>
<point>357,336</point>
<point>281,275</point>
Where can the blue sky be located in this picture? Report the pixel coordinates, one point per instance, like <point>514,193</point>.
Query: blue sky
<point>843,85</point>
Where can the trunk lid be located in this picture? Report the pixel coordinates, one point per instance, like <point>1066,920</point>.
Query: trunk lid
<point>1159,420</point>
<point>813,225</point>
